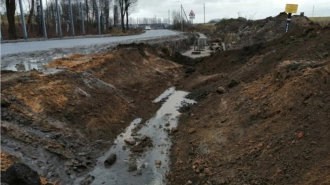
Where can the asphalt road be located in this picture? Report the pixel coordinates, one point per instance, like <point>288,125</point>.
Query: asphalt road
<point>12,48</point>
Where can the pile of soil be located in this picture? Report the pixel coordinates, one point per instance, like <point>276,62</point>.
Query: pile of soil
<point>60,123</point>
<point>238,33</point>
<point>262,116</point>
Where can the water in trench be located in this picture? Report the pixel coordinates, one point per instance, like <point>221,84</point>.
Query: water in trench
<point>32,64</point>
<point>150,166</point>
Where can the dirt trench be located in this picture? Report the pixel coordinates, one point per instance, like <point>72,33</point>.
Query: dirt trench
<point>60,123</point>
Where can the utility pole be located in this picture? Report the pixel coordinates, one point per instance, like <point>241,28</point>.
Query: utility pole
<point>169,19</point>
<point>313,11</point>
<point>23,21</point>
<point>204,13</point>
<point>181,19</point>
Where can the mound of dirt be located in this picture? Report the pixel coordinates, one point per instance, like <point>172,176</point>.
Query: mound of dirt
<point>262,116</point>
<point>238,33</point>
<point>64,121</point>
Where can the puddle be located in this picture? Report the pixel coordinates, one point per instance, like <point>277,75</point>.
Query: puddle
<point>26,66</point>
<point>165,94</point>
<point>32,65</point>
<point>147,170</point>
<point>51,70</point>
<point>37,62</point>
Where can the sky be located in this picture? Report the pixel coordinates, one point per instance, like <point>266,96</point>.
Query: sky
<point>217,9</point>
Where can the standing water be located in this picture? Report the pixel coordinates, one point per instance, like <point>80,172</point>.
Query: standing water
<point>149,166</point>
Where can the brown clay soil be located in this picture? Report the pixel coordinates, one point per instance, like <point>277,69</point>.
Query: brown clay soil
<point>262,114</point>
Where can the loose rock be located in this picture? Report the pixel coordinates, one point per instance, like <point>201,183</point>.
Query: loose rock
<point>221,90</point>
<point>158,163</point>
<point>130,141</point>
<point>111,159</point>
<point>174,129</point>
<point>208,171</point>
<point>191,130</point>
<point>20,173</point>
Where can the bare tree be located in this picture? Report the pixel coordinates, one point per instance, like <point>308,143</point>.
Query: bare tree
<point>121,4</point>
<point>129,6</point>
<point>29,21</point>
<point>115,15</point>
<point>87,13</point>
<point>176,19</point>
<point>106,11</point>
<point>11,8</point>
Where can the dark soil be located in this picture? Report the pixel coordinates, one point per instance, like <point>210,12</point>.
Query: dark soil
<point>269,124</point>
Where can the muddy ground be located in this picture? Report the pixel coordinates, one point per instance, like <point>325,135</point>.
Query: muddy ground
<point>262,114</point>
<point>60,123</point>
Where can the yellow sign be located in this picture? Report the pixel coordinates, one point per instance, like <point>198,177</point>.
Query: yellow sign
<point>291,8</point>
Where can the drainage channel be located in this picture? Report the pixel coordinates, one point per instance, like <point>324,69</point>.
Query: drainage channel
<point>141,153</point>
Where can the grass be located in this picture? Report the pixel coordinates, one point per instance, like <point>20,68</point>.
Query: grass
<point>319,19</point>
<point>323,21</point>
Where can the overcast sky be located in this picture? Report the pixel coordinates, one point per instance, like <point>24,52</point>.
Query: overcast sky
<point>255,9</point>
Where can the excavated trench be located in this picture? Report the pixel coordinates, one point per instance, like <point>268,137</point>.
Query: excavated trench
<point>65,121</point>
<point>142,150</point>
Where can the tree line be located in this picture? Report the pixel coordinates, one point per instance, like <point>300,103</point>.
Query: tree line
<point>111,13</point>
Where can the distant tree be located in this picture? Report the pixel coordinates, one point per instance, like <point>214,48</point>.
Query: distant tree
<point>115,15</point>
<point>29,21</point>
<point>94,14</point>
<point>214,20</point>
<point>176,19</point>
<point>121,4</point>
<point>87,14</point>
<point>107,12</point>
<point>129,7</point>
<point>11,8</point>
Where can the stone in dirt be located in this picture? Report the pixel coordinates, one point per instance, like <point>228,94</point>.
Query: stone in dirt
<point>111,159</point>
<point>221,90</point>
<point>144,138</point>
<point>20,173</point>
<point>137,149</point>
<point>174,129</point>
<point>232,83</point>
<point>158,163</point>
<point>208,171</point>
<point>191,130</point>
<point>4,102</point>
<point>130,141</point>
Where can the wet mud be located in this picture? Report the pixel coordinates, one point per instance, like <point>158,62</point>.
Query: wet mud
<point>136,163</point>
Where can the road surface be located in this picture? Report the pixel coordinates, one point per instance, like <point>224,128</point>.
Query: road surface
<point>12,48</point>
